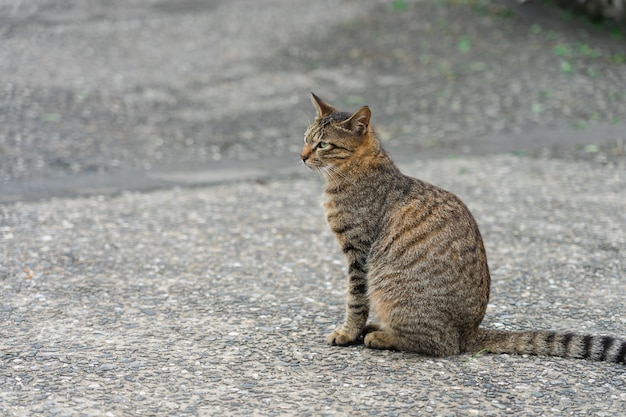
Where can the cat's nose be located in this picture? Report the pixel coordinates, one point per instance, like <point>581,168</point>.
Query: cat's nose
<point>304,156</point>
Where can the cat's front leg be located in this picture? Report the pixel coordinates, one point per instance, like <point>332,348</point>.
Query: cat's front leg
<point>357,305</point>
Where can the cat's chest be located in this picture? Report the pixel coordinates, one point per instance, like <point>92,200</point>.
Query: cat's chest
<point>342,211</point>
<point>355,201</point>
<point>334,204</point>
<point>331,208</point>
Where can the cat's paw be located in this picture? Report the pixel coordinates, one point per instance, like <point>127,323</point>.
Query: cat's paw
<point>341,337</point>
<point>379,340</point>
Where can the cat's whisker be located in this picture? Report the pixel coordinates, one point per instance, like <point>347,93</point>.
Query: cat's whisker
<point>340,174</point>
<point>315,166</point>
<point>306,121</point>
<point>332,175</point>
<point>337,176</point>
<point>320,172</point>
<point>329,173</point>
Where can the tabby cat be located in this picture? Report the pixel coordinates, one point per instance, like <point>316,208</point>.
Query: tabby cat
<point>415,256</point>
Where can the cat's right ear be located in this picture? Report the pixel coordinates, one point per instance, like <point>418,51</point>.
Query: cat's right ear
<point>322,107</point>
<point>358,122</point>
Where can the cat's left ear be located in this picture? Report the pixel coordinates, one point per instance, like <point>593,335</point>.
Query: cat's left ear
<point>359,121</point>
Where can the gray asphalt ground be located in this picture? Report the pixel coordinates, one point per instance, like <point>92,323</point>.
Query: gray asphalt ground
<point>217,300</point>
<point>163,253</point>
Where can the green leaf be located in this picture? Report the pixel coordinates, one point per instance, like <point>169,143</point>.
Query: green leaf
<point>579,125</point>
<point>535,29</point>
<point>567,15</point>
<point>566,67</point>
<point>562,50</point>
<point>398,5</point>
<point>355,100</point>
<point>619,59</point>
<point>537,108</point>
<point>616,33</point>
<point>584,49</point>
<point>478,66</point>
<point>464,45</point>
<point>81,96</point>
<point>519,152</point>
<point>477,354</point>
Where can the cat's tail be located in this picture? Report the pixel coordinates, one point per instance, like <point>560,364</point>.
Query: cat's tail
<point>567,345</point>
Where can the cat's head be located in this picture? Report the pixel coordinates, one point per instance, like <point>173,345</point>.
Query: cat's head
<point>336,138</point>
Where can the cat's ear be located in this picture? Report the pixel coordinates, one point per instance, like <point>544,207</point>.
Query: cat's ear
<point>322,107</point>
<point>359,121</point>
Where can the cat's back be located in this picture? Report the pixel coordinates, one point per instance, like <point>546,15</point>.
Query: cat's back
<point>429,256</point>
<point>428,227</point>
<point>416,204</point>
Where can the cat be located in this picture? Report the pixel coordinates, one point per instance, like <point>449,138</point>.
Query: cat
<point>415,256</point>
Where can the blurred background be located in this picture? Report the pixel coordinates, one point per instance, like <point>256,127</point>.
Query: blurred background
<point>99,96</point>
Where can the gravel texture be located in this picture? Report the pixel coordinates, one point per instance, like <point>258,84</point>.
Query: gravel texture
<point>216,300</point>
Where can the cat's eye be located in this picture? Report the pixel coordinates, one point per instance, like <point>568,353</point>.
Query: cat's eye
<point>322,145</point>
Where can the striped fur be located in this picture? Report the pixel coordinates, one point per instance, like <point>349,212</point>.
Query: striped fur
<point>415,256</point>
<point>568,345</point>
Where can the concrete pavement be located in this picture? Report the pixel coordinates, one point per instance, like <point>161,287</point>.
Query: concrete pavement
<point>216,300</point>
